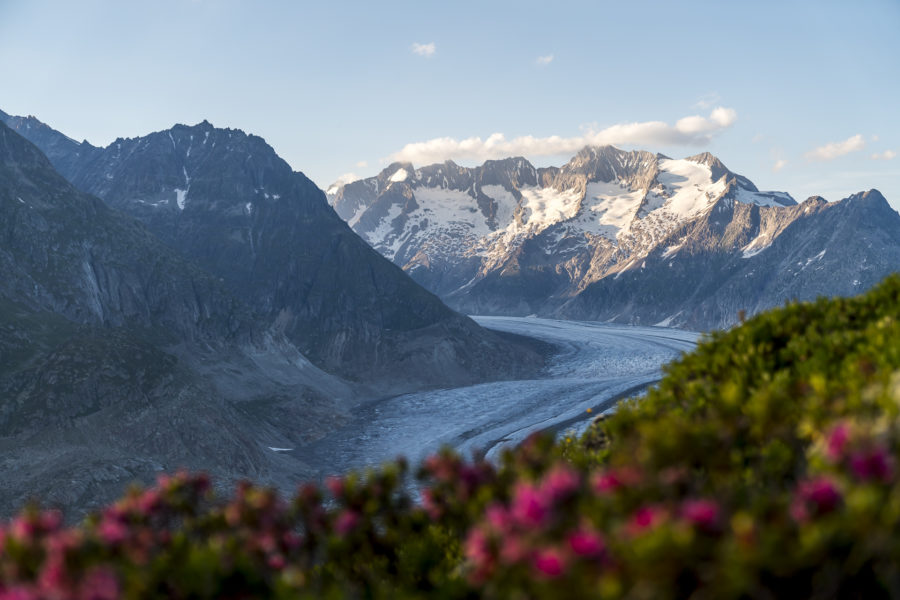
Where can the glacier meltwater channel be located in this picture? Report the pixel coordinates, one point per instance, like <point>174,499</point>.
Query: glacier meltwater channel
<point>595,365</point>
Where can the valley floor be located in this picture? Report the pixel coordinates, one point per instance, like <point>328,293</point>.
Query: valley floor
<point>597,363</point>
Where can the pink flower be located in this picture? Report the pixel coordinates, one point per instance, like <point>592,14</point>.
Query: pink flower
<point>275,561</point>
<point>335,485</point>
<point>586,542</point>
<point>513,549</point>
<point>53,574</point>
<point>478,552</point>
<point>529,506</point>
<point>559,483</point>
<point>837,441</point>
<point>497,517</point>
<point>50,520</point>
<point>346,522</point>
<point>645,518</point>
<point>703,513</point>
<point>432,507</point>
<point>112,532</point>
<point>18,593</point>
<point>607,483</point>
<point>611,480</point>
<point>873,464</point>
<point>23,528</point>
<point>814,497</point>
<point>549,563</point>
<point>100,584</point>
<point>149,502</point>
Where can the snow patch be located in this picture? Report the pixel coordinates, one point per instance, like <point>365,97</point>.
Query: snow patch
<point>747,197</point>
<point>610,208</point>
<point>505,201</point>
<point>756,245</point>
<point>180,196</point>
<point>249,208</point>
<point>672,250</point>
<point>274,449</point>
<point>690,185</point>
<point>548,206</point>
<point>668,320</point>
<point>817,257</point>
<point>399,175</point>
<point>384,232</point>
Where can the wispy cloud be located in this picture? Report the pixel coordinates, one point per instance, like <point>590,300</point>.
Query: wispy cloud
<point>689,131</point>
<point>836,149</point>
<point>779,165</point>
<point>886,155</point>
<point>543,61</point>
<point>426,50</point>
<point>707,100</point>
<point>362,164</point>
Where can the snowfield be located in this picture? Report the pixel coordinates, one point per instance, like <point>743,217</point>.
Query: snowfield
<point>596,364</point>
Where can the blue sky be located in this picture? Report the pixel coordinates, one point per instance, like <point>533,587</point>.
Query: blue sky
<point>800,96</point>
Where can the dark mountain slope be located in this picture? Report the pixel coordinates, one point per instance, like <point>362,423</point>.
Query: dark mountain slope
<point>227,201</point>
<point>119,359</point>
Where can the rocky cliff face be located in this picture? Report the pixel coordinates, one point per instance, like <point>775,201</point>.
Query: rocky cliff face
<point>225,200</point>
<point>614,235</point>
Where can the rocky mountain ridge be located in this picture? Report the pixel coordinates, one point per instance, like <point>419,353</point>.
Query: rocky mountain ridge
<point>580,240</point>
<point>225,200</point>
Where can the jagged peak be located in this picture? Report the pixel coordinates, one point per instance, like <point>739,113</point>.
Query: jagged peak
<point>712,161</point>
<point>515,160</point>
<point>871,197</point>
<point>392,168</point>
<point>706,158</point>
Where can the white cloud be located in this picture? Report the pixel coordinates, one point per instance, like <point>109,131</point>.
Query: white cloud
<point>347,178</point>
<point>542,61</point>
<point>836,149</point>
<point>886,155</point>
<point>426,50</point>
<point>779,165</point>
<point>362,164</point>
<point>689,131</point>
<point>757,138</point>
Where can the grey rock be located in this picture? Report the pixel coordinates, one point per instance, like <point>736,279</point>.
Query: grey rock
<point>622,236</point>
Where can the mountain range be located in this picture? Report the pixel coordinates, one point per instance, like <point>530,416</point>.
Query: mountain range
<point>613,235</point>
<point>195,303</point>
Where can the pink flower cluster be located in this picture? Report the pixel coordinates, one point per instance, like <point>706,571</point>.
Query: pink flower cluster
<point>455,482</point>
<point>867,459</point>
<point>813,498</point>
<point>535,530</point>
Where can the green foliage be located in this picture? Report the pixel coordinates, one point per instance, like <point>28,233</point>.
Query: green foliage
<point>764,465</point>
